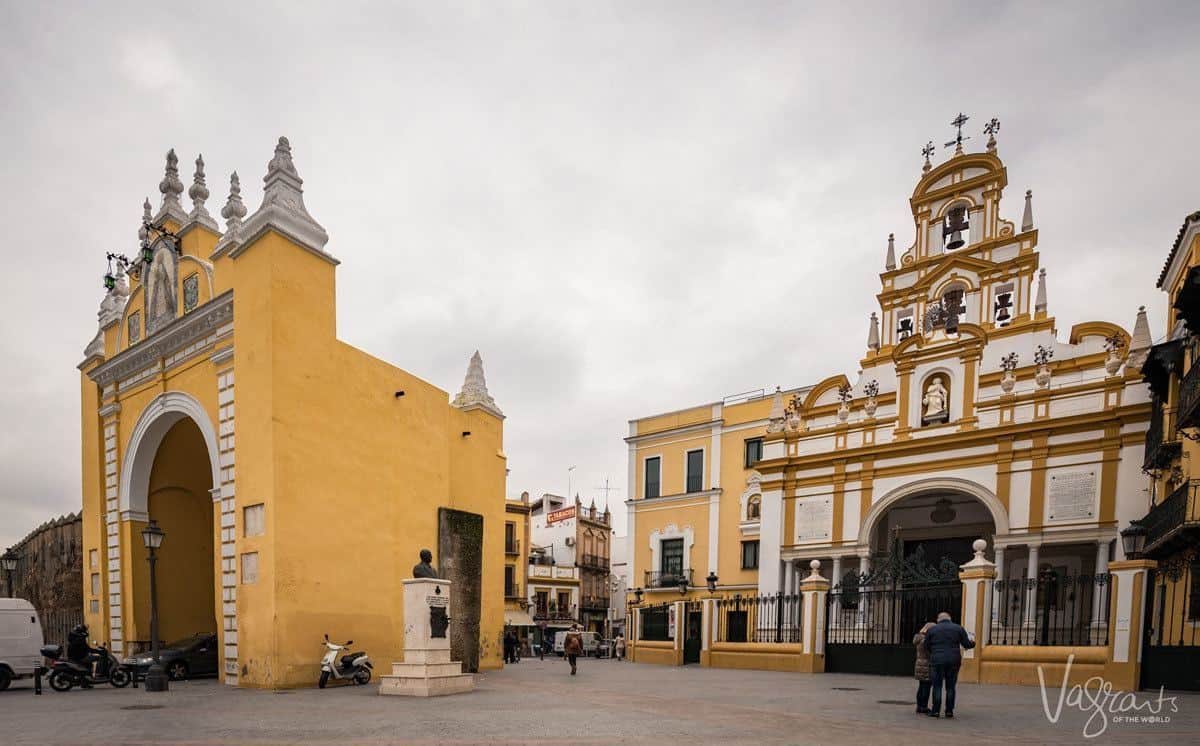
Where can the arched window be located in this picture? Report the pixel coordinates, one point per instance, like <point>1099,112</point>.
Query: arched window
<point>754,508</point>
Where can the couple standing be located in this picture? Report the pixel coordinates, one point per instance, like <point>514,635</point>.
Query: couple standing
<point>938,659</point>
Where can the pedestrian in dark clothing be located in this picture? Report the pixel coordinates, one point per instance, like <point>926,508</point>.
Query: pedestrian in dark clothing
<point>945,658</point>
<point>573,646</point>
<point>921,670</point>
<point>508,647</point>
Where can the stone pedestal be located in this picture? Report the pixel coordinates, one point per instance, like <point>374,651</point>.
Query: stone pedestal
<point>427,670</point>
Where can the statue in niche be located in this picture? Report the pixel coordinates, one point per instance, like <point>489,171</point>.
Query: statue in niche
<point>160,290</point>
<point>936,402</point>
<point>425,568</point>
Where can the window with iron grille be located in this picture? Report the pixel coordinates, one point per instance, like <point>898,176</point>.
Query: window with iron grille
<point>655,623</point>
<point>672,557</point>
<point>754,448</point>
<point>695,471</point>
<point>653,477</point>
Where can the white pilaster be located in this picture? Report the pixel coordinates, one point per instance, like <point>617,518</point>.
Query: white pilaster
<point>1031,573</point>
<point>770,539</point>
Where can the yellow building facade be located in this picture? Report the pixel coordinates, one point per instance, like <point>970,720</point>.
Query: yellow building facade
<point>296,477</point>
<point>969,418</point>
<point>1172,521</point>
<point>516,560</point>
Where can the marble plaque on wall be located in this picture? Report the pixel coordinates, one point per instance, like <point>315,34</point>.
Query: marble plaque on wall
<point>814,518</point>
<point>1071,495</point>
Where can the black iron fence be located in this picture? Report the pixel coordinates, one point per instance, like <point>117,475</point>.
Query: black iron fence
<point>1051,609</point>
<point>886,615</point>
<point>772,618</point>
<point>656,622</point>
<point>1170,515</point>
<point>1171,645</point>
<point>56,625</point>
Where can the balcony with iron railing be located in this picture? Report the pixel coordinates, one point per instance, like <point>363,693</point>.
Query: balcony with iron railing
<point>1170,523</point>
<point>593,562</point>
<point>1188,413</point>
<point>553,614</point>
<point>512,592</point>
<point>595,602</point>
<point>1161,445</point>
<point>667,578</point>
<point>512,546</point>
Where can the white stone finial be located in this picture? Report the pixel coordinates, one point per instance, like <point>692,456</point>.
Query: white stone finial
<point>233,212</point>
<point>171,187</point>
<point>474,393</point>
<point>890,262</point>
<point>873,333</point>
<point>979,546</point>
<point>1139,345</point>
<point>199,194</point>
<point>283,207</point>
<point>147,218</point>
<point>777,414</point>
<point>1027,217</point>
<point>1040,303</point>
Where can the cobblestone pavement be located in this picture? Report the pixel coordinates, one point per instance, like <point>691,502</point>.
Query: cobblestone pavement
<point>538,702</point>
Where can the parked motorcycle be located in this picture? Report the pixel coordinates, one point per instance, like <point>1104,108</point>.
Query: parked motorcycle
<point>66,674</point>
<point>353,666</point>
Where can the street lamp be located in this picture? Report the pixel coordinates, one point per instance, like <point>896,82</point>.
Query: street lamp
<point>683,585</point>
<point>637,596</point>
<point>156,678</point>
<point>9,562</point>
<point>1133,539</point>
<point>712,581</point>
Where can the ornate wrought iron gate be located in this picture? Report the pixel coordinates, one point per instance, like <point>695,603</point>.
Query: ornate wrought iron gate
<point>1171,646</point>
<point>871,617</point>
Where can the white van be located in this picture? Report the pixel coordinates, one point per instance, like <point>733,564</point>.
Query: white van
<point>20,640</point>
<point>591,641</point>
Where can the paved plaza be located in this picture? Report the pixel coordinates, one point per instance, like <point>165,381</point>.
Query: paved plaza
<point>537,702</point>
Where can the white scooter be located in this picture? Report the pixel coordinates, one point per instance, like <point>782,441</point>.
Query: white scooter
<point>354,666</point>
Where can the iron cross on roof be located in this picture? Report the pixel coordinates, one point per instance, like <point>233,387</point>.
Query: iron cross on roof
<point>958,122</point>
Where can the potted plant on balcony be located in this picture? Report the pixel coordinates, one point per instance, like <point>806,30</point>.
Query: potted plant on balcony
<point>1115,345</point>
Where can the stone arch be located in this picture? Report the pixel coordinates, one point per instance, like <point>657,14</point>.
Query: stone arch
<point>156,419</point>
<point>932,484</point>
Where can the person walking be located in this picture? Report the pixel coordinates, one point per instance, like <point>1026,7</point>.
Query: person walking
<point>620,647</point>
<point>945,643</point>
<point>573,646</point>
<point>921,669</point>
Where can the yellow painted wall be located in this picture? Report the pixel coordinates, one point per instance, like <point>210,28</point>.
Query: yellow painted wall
<point>93,527</point>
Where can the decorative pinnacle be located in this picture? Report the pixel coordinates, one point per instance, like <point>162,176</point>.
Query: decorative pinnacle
<point>199,190</point>
<point>474,389</point>
<point>990,129</point>
<point>282,160</point>
<point>957,142</point>
<point>873,333</point>
<point>143,231</point>
<point>234,209</point>
<point>890,263</point>
<point>927,151</point>
<point>171,187</point>
<point>1027,217</point>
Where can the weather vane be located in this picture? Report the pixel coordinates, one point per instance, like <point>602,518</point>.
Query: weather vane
<point>927,151</point>
<point>990,130</point>
<point>957,142</point>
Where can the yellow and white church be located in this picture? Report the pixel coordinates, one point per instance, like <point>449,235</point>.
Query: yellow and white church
<point>295,477</point>
<point>972,416</point>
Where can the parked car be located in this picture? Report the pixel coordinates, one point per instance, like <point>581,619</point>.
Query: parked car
<point>591,641</point>
<point>188,658</point>
<point>20,640</point>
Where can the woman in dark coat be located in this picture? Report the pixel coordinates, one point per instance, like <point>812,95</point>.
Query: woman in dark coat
<point>921,670</point>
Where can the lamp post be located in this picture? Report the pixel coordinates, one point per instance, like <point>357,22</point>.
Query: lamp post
<point>683,585</point>
<point>712,581</point>
<point>9,562</point>
<point>156,678</point>
<point>1133,540</point>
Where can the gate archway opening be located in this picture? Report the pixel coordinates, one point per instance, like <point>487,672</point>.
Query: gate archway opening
<point>169,477</point>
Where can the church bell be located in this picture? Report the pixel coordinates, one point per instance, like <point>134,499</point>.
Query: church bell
<point>956,223</point>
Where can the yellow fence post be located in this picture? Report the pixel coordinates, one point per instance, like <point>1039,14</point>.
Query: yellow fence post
<point>708,630</point>
<point>815,590</point>
<point>976,577</point>
<point>1127,606</point>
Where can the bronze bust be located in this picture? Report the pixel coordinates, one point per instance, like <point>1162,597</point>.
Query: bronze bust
<point>424,569</point>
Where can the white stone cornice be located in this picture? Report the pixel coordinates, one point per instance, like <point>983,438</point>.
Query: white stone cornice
<point>108,410</point>
<point>681,497</point>
<point>698,427</point>
<point>223,355</point>
<point>180,332</point>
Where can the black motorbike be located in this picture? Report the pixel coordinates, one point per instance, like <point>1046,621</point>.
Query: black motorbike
<point>102,667</point>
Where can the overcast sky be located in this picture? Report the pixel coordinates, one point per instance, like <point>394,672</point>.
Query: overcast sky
<point>626,208</point>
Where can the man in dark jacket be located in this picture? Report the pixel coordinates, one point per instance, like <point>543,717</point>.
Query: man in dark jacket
<point>945,658</point>
<point>79,651</point>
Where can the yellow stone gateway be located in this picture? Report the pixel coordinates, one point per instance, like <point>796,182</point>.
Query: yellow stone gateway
<point>296,477</point>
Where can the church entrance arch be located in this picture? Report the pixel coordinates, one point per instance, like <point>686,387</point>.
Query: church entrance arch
<point>915,540</point>
<point>169,476</point>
